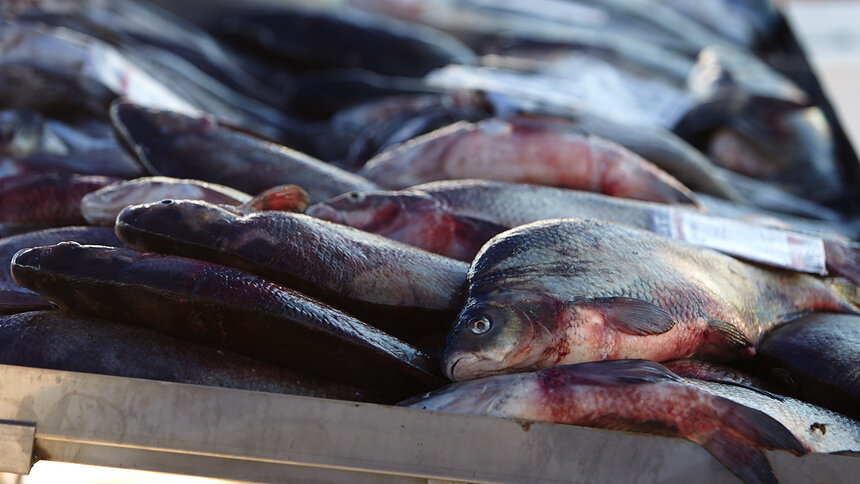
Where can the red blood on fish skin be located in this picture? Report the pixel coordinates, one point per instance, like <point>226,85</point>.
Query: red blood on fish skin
<point>48,199</point>
<point>413,218</point>
<point>523,151</point>
<point>636,395</point>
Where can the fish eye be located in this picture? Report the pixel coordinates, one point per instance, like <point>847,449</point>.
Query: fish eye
<point>356,197</point>
<point>166,201</point>
<point>480,325</point>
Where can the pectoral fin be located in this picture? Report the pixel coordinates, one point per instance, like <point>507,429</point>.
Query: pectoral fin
<point>632,316</point>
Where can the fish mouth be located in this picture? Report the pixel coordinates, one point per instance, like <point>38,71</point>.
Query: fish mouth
<point>467,366</point>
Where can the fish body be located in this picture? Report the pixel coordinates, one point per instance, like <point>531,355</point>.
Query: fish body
<point>505,150</point>
<point>817,358</point>
<point>455,217</point>
<point>635,395</point>
<point>102,206</point>
<point>32,202</point>
<point>570,290</point>
<point>821,430</point>
<point>62,341</point>
<point>384,282</point>
<point>199,147</point>
<point>222,307</point>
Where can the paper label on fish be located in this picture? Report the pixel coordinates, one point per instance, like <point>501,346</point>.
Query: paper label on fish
<point>753,242</point>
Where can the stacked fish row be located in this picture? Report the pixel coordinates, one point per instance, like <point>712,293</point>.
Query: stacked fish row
<point>222,249</point>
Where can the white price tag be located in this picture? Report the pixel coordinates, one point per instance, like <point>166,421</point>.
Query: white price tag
<point>757,243</point>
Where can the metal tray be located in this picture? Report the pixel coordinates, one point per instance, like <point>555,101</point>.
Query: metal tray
<point>253,436</point>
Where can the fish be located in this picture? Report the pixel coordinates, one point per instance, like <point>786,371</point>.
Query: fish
<point>321,94</point>
<point>666,150</point>
<point>743,23</point>
<point>132,25</point>
<point>346,38</point>
<point>60,341</point>
<point>27,133</point>
<point>368,128</point>
<point>12,302</point>
<point>506,150</point>
<point>103,205</point>
<point>100,164</point>
<point>758,121</point>
<point>226,308</point>
<point>65,74</point>
<point>173,144</point>
<point>572,290</point>
<point>84,235</point>
<point>815,358</point>
<point>396,287</point>
<point>633,395</point>
<point>32,202</point>
<point>456,217</point>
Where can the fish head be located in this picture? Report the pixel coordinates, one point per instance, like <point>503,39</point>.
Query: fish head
<point>152,224</point>
<point>33,267</point>
<point>505,333</point>
<point>373,211</point>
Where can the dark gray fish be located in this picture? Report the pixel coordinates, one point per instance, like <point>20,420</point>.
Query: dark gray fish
<point>347,38</point>
<point>222,307</point>
<point>632,395</point>
<point>403,290</point>
<point>13,302</point>
<point>570,290</point>
<point>84,235</point>
<point>134,25</point>
<point>763,123</point>
<point>817,358</point>
<point>200,147</point>
<point>321,94</point>
<point>61,341</point>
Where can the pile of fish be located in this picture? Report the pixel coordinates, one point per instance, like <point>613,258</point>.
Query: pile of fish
<point>612,213</point>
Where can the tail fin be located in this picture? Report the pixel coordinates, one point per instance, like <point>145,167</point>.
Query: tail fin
<point>738,441</point>
<point>843,258</point>
<point>849,294</point>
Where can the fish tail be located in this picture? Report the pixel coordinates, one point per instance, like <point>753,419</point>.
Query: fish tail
<point>843,258</point>
<point>737,443</point>
<point>849,294</point>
